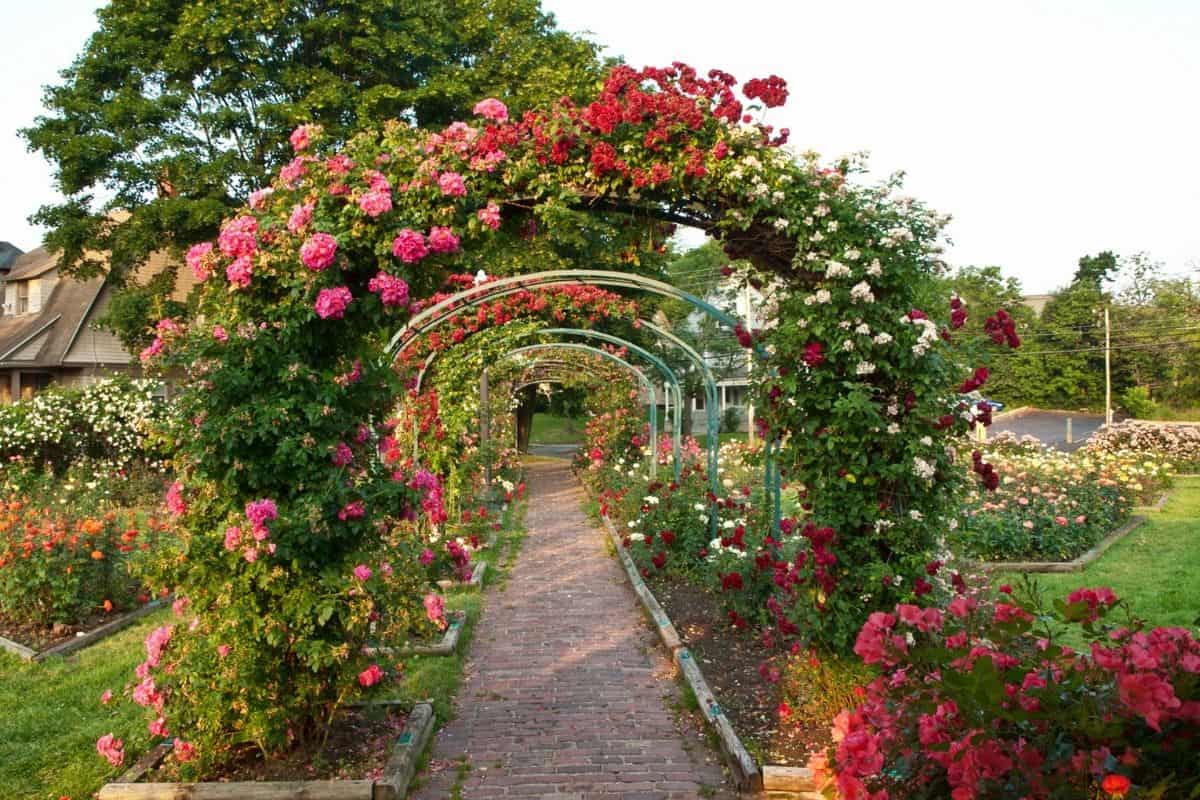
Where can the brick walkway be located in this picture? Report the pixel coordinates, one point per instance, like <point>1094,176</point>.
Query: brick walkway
<point>567,692</point>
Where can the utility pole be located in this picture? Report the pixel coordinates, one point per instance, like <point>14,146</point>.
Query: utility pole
<point>1107,371</point>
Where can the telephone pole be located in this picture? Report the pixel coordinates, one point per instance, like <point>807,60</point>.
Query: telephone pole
<point>1107,371</point>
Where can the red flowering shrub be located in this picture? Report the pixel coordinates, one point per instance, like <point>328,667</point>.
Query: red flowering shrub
<point>980,700</point>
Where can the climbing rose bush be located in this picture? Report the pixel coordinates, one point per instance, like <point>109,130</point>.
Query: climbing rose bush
<point>981,699</point>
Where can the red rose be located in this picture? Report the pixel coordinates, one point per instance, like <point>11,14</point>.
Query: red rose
<point>1116,785</point>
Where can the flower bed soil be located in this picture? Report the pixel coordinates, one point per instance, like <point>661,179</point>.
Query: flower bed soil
<point>357,748</point>
<point>730,659</point>
<point>37,641</point>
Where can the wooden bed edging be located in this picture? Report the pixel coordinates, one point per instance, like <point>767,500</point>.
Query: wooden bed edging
<point>401,765</point>
<point>79,642</point>
<point>748,774</point>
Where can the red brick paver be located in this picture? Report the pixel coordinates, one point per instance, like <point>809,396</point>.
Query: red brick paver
<point>567,690</point>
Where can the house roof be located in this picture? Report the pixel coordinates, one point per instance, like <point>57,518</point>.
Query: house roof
<point>8,254</point>
<point>44,339</point>
<point>50,332</point>
<point>33,264</point>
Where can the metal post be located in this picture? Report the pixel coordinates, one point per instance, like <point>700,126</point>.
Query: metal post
<point>485,428</point>
<point>1070,438</point>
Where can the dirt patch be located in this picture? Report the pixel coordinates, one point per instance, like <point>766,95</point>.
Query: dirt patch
<point>357,748</point>
<point>730,660</point>
<point>38,637</point>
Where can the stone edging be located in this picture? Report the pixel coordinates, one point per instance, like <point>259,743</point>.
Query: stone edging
<point>747,773</point>
<point>398,773</point>
<point>1074,565</point>
<point>446,646</point>
<point>475,583</point>
<point>79,642</point>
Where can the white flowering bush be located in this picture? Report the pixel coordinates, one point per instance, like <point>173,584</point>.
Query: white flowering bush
<point>111,421</point>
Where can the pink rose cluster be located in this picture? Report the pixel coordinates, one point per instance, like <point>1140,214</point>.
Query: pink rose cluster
<point>392,291</point>
<point>377,199</point>
<point>435,609</point>
<point>1024,726</point>
<point>332,303</point>
<point>302,137</point>
<point>318,251</point>
<point>492,109</point>
<point>411,246</point>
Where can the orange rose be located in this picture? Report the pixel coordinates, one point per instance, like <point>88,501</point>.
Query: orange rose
<point>108,606</point>
<point>96,554</point>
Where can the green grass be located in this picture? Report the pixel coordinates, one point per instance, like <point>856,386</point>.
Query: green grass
<point>1156,568</point>
<point>51,717</point>
<point>722,438</point>
<point>549,429</point>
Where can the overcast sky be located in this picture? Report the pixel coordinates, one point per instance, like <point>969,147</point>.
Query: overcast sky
<point>1047,129</point>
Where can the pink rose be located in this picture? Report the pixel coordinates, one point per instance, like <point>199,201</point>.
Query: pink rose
<point>238,273</point>
<point>237,237</point>
<point>302,137</point>
<point>331,303</point>
<point>319,251</point>
<point>258,198</point>
<point>435,609</point>
<point>343,455</point>
<point>362,572</point>
<point>220,334</point>
<point>199,258</point>
<point>374,203</point>
<point>184,751</point>
<point>392,291</point>
<point>452,184</point>
<point>492,109</point>
<point>426,557</point>
<point>106,697</point>
<point>175,502</point>
<point>489,215</point>
<point>233,537</point>
<point>301,216</point>
<point>443,240</point>
<point>409,246</point>
<point>223,650</point>
<point>112,749</point>
<point>370,676</point>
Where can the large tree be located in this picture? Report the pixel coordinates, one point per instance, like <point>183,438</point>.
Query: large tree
<point>176,110</point>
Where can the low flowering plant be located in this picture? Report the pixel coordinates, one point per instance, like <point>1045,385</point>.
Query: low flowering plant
<point>981,699</point>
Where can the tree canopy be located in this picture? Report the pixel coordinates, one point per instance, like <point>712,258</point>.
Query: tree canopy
<point>175,111</point>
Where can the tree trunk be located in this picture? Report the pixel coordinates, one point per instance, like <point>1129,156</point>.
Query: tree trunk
<point>525,412</point>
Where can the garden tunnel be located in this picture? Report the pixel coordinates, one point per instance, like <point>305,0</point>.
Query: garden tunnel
<point>450,308</point>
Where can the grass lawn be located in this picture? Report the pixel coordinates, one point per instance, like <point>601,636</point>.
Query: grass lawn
<point>722,438</point>
<point>1156,568</point>
<point>549,429</point>
<point>51,717</point>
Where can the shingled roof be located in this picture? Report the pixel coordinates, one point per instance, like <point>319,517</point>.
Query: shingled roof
<point>44,338</point>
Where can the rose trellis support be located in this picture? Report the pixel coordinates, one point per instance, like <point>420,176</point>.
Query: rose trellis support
<point>436,315</point>
<point>647,384</point>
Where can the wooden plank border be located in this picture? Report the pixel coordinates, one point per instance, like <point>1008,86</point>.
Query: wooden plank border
<point>79,642</point>
<point>397,775</point>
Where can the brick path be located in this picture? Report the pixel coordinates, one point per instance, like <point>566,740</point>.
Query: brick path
<point>567,690</point>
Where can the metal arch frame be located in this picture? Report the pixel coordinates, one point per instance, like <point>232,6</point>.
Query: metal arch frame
<point>500,287</point>
<point>436,314</point>
<point>647,384</point>
<point>668,373</point>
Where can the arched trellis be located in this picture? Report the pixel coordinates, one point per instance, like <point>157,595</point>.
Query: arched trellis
<point>447,309</point>
<point>671,378</point>
<point>647,384</point>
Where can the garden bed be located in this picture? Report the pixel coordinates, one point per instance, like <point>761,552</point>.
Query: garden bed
<point>730,659</point>
<point>1076,564</point>
<point>35,643</point>
<point>380,748</point>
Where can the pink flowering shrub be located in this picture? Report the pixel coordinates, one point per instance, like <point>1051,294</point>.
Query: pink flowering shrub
<point>981,699</point>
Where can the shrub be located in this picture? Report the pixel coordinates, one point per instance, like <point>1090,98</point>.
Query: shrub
<point>1136,400</point>
<point>980,700</point>
<point>1053,506</point>
<point>56,567</point>
<point>1178,444</point>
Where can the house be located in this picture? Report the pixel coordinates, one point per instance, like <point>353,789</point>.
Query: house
<point>48,331</point>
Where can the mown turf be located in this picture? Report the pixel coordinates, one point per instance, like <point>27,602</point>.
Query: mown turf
<point>549,429</point>
<point>1156,568</point>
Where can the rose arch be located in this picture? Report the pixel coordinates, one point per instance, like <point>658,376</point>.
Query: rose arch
<point>281,493</point>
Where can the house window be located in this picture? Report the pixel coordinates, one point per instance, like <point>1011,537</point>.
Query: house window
<point>22,297</point>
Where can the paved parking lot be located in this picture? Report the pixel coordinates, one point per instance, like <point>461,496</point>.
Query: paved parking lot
<point>1051,426</point>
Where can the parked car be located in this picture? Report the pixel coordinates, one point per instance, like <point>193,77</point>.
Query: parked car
<point>975,398</point>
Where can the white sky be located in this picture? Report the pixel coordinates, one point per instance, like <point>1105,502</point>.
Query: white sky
<point>1047,129</point>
